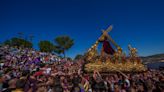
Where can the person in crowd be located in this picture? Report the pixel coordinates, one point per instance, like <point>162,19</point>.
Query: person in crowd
<point>28,70</point>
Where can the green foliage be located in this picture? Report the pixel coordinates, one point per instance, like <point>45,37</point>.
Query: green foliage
<point>63,43</point>
<point>46,46</point>
<point>7,42</point>
<point>1,44</point>
<point>77,57</point>
<point>57,49</point>
<point>18,42</point>
<point>68,58</point>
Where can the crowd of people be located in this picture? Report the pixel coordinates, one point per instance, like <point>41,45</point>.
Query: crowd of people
<point>28,70</point>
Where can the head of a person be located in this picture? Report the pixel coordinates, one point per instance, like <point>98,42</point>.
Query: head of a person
<point>140,87</point>
<point>12,83</point>
<point>76,89</point>
<point>57,88</point>
<point>20,83</point>
<point>77,80</point>
<point>41,88</point>
<point>62,78</point>
<point>116,87</point>
<point>25,73</point>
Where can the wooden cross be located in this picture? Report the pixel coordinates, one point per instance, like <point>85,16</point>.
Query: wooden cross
<point>105,34</point>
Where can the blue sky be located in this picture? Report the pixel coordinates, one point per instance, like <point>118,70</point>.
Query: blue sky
<point>136,22</point>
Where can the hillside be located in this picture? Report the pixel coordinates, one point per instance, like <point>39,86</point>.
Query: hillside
<point>153,58</point>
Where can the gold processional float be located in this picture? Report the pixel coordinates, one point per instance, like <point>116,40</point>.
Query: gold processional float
<point>118,61</point>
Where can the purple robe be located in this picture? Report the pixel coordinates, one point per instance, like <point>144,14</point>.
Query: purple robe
<point>108,48</point>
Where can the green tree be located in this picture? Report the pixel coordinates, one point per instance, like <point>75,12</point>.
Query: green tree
<point>68,58</point>
<point>77,57</point>
<point>7,42</point>
<point>46,46</point>
<point>63,43</point>
<point>18,42</point>
<point>1,44</point>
